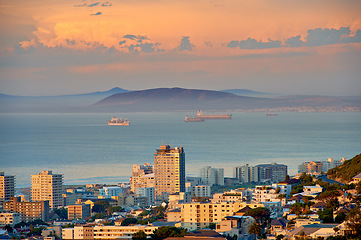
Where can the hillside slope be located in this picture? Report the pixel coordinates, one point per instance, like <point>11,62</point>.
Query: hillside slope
<point>347,170</point>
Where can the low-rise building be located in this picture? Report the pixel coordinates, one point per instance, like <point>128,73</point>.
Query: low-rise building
<point>8,218</point>
<point>201,191</point>
<point>28,211</point>
<point>197,216</point>
<point>116,232</point>
<point>109,192</point>
<point>78,232</point>
<point>311,190</point>
<point>235,225</point>
<point>79,211</point>
<point>177,199</point>
<point>174,215</point>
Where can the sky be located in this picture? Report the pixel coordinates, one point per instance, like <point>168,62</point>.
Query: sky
<point>280,46</point>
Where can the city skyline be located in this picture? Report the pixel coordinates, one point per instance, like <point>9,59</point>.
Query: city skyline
<point>70,47</point>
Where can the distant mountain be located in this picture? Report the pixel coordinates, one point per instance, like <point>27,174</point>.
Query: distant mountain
<point>173,99</point>
<point>246,92</point>
<point>75,102</point>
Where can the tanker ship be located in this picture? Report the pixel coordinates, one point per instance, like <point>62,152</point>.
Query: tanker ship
<point>203,115</point>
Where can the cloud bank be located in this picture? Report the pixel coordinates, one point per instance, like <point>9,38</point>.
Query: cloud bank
<point>315,37</point>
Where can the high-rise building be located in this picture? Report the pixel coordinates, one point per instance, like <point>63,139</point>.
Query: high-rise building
<point>47,186</point>
<point>169,170</point>
<point>7,187</point>
<point>246,173</point>
<point>212,176</point>
<point>273,172</point>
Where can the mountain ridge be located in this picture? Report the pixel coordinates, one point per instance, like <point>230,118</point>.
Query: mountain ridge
<point>172,99</point>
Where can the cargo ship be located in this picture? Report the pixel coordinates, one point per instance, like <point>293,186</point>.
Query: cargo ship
<point>272,114</point>
<point>118,122</point>
<point>203,115</point>
<point>190,119</point>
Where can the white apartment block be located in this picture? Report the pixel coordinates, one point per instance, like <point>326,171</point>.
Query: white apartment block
<point>47,186</point>
<point>148,193</point>
<point>232,196</point>
<point>201,191</point>
<point>265,194</point>
<point>212,176</point>
<point>310,190</point>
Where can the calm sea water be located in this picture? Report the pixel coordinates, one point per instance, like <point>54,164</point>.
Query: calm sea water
<point>86,150</point>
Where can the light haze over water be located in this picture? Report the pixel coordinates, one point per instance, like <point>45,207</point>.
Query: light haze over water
<point>86,150</point>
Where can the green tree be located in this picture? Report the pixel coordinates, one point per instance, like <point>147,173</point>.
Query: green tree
<point>100,206</point>
<point>297,208</point>
<point>326,215</point>
<point>62,213</point>
<point>128,221</point>
<point>165,232</point>
<point>340,217</point>
<point>354,220</point>
<point>260,214</point>
<point>211,226</point>
<point>139,236</point>
<point>255,229</point>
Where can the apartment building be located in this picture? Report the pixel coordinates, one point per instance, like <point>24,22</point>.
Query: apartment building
<point>79,211</point>
<point>7,187</point>
<point>212,176</point>
<point>273,172</point>
<point>118,232</point>
<point>169,170</point>
<point>148,193</point>
<point>196,216</point>
<point>202,191</point>
<point>142,176</point>
<point>235,225</point>
<point>316,167</point>
<point>8,218</point>
<point>47,186</point>
<point>109,192</point>
<point>78,232</point>
<point>236,195</point>
<point>28,211</point>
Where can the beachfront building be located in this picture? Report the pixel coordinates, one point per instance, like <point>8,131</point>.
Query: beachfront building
<point>47,186</point>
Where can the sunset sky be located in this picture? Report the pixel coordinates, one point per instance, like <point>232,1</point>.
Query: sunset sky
<point>281,46</point>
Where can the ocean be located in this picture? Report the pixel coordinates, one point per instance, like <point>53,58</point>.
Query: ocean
<point>86,150</point>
